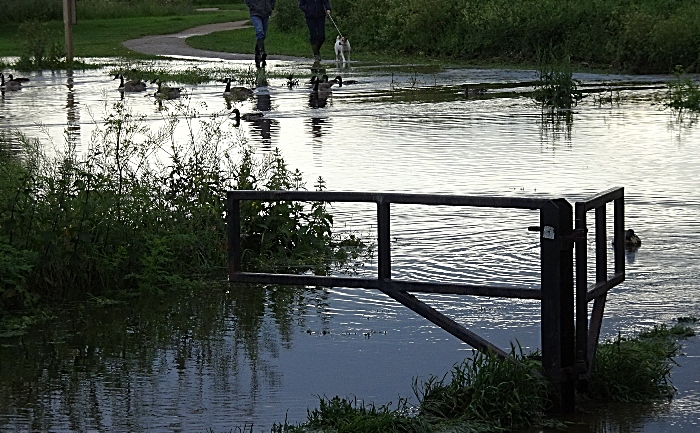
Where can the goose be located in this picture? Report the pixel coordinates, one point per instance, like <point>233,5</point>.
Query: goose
<point>18,79</point>
<point>165,92</point>
<point>250,117</point>
<point>131,85</point>
<point>9,85</point>
<point>236,92</point>
<point>323,84</point>
<point>338,79</point>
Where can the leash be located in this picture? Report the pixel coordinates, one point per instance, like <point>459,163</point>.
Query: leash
<point>336,25</point>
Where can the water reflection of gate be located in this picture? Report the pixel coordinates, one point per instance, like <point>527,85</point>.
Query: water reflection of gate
<point>567,350</point>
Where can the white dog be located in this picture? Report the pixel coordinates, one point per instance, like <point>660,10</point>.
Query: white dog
<point>342,47</point>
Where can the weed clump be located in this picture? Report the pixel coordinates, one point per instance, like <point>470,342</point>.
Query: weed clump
<point>115,218</point>
<point>637,368</point>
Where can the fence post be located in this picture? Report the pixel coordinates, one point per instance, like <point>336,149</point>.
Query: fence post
<point>233,223</point>
<point>557,284</point>
<point>383,240</point>
<point>581,293</point>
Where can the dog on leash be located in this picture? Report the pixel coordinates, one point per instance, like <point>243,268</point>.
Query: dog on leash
<point>342,47</point>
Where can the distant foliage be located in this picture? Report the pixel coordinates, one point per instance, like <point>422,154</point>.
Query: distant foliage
<point>41,48</point>
<point>683,93</point>
<point>642,36</point>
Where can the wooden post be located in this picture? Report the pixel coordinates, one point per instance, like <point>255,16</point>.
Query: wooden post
<point>69,19</point>
<point>558,346</point>
<point>581,292</point>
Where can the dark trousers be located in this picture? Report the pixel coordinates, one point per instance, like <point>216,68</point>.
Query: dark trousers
<point>317,30</point>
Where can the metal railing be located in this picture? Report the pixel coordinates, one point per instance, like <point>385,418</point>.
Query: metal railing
<point>562,345</point>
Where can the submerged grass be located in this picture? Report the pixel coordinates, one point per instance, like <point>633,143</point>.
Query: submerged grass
<point>486,393</point>
<point>638,368</point>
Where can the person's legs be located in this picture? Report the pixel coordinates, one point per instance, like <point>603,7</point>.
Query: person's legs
<point>316,35</point>
<point>260,27</point>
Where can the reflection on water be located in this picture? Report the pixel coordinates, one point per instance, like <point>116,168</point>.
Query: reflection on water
<point>224,359</point>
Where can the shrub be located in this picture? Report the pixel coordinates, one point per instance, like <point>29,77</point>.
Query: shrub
<point>115,218</point>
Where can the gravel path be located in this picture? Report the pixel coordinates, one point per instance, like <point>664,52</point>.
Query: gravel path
<point>175,46</point>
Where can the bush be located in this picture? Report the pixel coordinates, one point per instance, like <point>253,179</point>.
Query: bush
<point>116,219</point>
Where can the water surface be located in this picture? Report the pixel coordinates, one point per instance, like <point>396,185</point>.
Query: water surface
<point>239,356</point>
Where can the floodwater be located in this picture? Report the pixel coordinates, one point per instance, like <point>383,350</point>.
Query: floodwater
<point>243,356</point>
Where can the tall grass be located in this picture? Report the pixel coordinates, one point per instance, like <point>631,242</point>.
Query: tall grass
<point>117,218</point>
<point>637,368</point>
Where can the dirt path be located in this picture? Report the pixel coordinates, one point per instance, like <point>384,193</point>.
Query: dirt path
<point>175,46</point>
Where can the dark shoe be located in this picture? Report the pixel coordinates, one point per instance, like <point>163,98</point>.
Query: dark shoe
<point>260,54</point>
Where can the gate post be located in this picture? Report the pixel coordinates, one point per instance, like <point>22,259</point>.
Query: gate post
<point>233,224</point>
<point>557,285</point>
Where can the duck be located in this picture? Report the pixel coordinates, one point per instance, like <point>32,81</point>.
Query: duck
<point>165,92</point>
<point>236,92</point>
<point>10,84</point>
<point>250,117</point>
<point>291,81</point>
<point>632,241</point>
<point>469,90</point>
<point>131,85</point>
<point>18,79</point>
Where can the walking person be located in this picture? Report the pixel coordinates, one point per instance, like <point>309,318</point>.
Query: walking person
<point>315,12</point>
<point>260,11</point>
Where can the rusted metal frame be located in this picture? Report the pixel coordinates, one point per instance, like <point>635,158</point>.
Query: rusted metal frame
<point>581,247</point>
<point>598,293</point>
<point>444,322</point>
<point>383,240</point>
<point>398,198</point>
<point>233,225</point>
<point>600,289</point>
<point>557,314</point>
<point>371,283</point>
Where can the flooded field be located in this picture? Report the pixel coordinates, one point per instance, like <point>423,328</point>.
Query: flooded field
<point>241,356</point>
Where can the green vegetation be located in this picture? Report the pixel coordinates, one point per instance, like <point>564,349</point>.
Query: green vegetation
<point>489,394</point>
<point>115,219</point>
<point>637,368</point>
<point>683,94</point>
<point>556,88</point>
<point>643,36</point>
<point>102,37</point>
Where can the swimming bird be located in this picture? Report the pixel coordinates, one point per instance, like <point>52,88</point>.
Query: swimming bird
<point>632,241</point>
<point>9,85</point>
<point>470,90</point>
<point>291,81</point>
<point>131,85</point>
<point>323,84</point>
<point>250,117</point>
<point>236,92</point>
<point>165,92</point>
<point>18,79</point>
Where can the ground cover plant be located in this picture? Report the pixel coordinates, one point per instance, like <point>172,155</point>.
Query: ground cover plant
<point>116,219</point>
<point>486,393</point>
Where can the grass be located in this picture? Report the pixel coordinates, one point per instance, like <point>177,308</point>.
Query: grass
<point>489,394</point>
<point>103,37</point>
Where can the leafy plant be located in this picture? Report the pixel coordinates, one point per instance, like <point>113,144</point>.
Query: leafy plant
<point>41,47</point>
<point>115,218</point>
<point>683,94</point>
<point>556,87</point>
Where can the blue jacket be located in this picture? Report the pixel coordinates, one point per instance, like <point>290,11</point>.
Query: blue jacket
<point>261,8</point>
<point>314,8</point>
